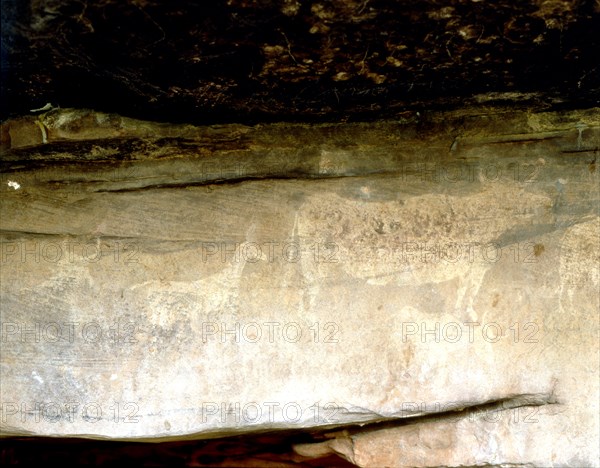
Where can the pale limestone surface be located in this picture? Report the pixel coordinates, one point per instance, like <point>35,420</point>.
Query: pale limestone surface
<point>230,279</point>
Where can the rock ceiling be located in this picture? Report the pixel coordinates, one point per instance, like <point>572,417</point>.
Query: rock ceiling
<point>263,60</point>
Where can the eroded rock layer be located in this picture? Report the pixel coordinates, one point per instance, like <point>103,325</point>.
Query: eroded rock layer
<point>437,275</point>
<point>274,60</point>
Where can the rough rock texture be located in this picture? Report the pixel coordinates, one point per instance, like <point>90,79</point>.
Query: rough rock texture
<point>164,281</point>
<point>257,60</point>
<point>341,284</point>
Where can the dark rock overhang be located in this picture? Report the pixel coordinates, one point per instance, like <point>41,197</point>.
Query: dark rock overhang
<point>264,60</point>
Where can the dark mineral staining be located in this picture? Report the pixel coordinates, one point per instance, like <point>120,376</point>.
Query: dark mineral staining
<point>258,60</point>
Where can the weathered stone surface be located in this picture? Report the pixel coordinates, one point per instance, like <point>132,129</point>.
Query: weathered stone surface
<point>530,431</point>
<point>253,61</point>
<point>169,282</point>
